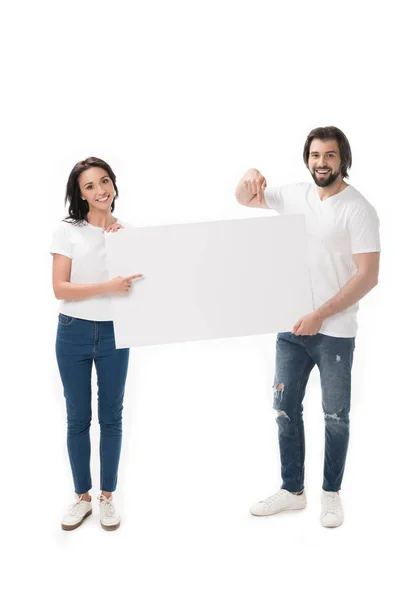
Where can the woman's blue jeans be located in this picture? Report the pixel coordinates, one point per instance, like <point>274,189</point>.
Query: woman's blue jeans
<point>296,355</point>
<point>79,343</point>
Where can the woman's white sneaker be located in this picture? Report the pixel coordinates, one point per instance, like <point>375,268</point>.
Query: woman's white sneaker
<point>332,510</point>
<point>282,500</point>
<point>109,518</point>
<point>77,513</point>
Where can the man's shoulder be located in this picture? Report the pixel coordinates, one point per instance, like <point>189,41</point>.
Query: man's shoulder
<point>356,201</point>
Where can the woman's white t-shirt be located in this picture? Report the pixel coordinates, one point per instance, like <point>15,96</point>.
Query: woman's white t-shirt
<point>85,245</point>
<point>336,228</point>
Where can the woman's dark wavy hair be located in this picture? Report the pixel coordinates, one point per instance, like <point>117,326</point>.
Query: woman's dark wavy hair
<point>331,133</point>
<point>78,208</point>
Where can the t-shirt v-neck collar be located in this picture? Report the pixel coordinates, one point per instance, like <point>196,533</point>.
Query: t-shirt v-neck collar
<point>334,196</point>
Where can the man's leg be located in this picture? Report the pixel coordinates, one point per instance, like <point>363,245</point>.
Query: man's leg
<point>293,368</point>
<point>334,357</point>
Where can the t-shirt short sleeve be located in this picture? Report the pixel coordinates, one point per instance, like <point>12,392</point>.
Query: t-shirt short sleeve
<point>363,225</point>
<point>274,198</point>
<point>61,242</point>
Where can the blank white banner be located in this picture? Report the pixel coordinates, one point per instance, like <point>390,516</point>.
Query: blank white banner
<point>209,280</point>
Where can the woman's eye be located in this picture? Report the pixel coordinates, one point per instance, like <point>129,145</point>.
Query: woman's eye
<point>105,180</point>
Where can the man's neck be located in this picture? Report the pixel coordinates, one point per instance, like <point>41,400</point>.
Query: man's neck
<point>331,190</point>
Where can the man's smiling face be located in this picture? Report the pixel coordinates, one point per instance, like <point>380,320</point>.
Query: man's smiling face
<point>324,161</point>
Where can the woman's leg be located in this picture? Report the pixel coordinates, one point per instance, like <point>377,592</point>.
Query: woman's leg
<point>74,352</point>
<point>112,367</point>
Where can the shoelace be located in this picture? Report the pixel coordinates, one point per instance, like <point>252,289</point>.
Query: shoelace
<point>73,510</point>
<point>330,503</point>
<point>109,510</point>
<point>272,499</point>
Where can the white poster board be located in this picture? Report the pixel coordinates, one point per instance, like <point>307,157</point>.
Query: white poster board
<point>209,280</point>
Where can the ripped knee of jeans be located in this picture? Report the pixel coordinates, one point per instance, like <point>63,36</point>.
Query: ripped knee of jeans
<point>281,413</point>
<point>339,417</point>
<point>278,392</point>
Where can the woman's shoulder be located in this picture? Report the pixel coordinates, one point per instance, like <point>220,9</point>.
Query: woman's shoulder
<point>67,229</point>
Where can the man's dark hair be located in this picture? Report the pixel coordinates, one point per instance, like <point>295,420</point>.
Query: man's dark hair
<point>78,208</point>
<point>331,133</point>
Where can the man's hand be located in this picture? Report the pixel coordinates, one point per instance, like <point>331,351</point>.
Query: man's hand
<point>255,182</point>
<point>308,325</point>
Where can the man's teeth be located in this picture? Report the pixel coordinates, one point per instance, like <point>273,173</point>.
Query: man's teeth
<point>322,171</point>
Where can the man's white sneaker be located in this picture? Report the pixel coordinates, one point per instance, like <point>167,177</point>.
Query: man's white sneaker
<point>109,518</point>
<point>331,511</point>
<point>282,500</point>
<point>77,513</point>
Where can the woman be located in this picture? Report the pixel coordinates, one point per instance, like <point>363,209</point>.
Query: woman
<point>85,334</point>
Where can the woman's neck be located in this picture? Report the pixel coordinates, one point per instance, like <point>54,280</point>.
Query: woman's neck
<point>100,219</point>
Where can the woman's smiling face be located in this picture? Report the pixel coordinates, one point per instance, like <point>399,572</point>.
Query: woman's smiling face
<point>97,188</point>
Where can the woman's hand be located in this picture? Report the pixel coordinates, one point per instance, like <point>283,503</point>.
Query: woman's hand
<point>120,285</point>
<point>114,227</point>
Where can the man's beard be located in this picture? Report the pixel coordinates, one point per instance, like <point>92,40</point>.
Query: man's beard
<point>327,180</point>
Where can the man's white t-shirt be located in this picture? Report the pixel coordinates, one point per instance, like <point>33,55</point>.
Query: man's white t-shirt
<point>336,228</point>
<point>85,245</point>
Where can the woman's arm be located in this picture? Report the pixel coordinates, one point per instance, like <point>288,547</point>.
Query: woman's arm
<point>65,290</point>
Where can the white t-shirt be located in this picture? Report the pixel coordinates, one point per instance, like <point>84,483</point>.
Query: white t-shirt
<point>85,245</point>
<point>336,228</point>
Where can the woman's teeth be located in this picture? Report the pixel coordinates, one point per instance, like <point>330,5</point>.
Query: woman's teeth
<point>102,199</point>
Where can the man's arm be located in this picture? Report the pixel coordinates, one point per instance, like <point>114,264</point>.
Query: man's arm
<point>250,189</point>
<point>356,288</point>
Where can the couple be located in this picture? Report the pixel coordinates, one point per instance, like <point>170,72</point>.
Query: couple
<point>342,231</point>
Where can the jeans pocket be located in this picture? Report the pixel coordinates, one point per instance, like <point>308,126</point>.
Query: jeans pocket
<point>65,319</point>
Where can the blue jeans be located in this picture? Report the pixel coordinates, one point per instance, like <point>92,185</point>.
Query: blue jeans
<point>295,358</point>
<point>79,343</point>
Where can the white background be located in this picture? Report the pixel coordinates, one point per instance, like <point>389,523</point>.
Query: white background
<point>180,98</point>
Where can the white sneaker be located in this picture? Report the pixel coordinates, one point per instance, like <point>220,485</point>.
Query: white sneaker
<point>282,500</point>
<point>77,513</point>
<point>109,518</point>
<point>332,510</point>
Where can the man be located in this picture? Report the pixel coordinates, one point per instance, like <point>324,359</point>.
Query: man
<point>343,248</point>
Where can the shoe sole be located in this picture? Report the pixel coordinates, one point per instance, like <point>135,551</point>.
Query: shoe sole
<point>279,511</point>
<point>331,526</point>
<point>71,527</point>
<point>109,527</point>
